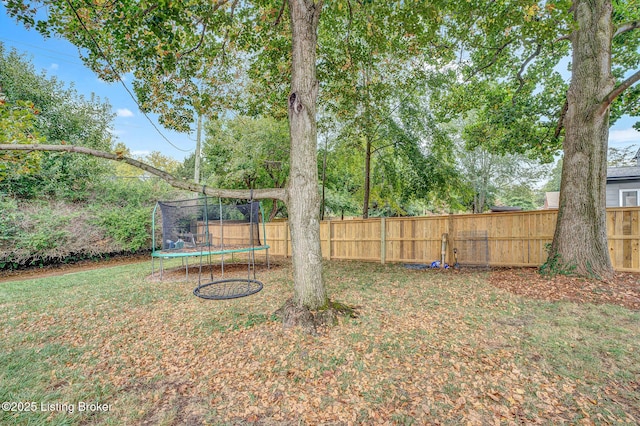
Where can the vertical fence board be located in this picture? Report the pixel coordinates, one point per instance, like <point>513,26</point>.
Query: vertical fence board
<point>635,255</point>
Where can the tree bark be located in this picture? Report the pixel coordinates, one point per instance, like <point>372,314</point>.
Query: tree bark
<point>367,177</point>
<point>580,240</point>
<point>302,188</point>
<point>275,209</point>
<point>368,146</point>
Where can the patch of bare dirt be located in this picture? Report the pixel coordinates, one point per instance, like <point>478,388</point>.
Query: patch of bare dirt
<point>622,290</point>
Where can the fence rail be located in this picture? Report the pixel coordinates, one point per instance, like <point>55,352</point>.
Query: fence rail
<point>512,238</point>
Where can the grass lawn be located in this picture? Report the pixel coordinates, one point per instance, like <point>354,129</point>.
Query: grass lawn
<point>428,348</point>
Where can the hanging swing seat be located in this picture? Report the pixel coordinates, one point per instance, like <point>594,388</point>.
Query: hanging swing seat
<point>231,288</point>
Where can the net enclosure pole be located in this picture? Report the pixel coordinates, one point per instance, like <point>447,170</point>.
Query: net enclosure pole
<point>264,235</point>
<point>153,239</point>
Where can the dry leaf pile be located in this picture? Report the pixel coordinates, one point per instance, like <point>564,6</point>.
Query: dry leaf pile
<point>623,289</point>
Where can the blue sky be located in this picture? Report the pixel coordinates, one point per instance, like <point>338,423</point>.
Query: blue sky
<point>60,58</point>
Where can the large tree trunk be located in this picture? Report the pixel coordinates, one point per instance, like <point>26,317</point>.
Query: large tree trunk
<point>580,240</point>
<point>303,198</point>
<point>368,145</point>
<point>367,177</point>
<point>274,210</point>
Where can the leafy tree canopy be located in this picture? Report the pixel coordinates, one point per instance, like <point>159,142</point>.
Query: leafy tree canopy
<point>621,157</point>
<point>37,108</point>
<point>509,72</point>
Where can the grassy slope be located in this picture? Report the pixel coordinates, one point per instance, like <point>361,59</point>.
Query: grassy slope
<point>427,347</point>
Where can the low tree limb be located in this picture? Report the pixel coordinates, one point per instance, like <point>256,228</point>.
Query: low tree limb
<point>606,102</point>
<point>257,194</point>
<point>628,26</point>
<point>198,45</point>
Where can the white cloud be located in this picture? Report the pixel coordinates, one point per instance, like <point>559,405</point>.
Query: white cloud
<point>624,136</point>
<point>140,153</point>
<point>54,66</point>
<point>124,112</point>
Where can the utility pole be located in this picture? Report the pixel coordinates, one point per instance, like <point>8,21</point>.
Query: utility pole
<point>196,173</point>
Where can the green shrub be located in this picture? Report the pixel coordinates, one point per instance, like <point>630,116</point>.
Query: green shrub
<point>9,217</point>
<point>44,230</point>
<point>115,218</point>
<point>129,226</point>
<point>131,192</point>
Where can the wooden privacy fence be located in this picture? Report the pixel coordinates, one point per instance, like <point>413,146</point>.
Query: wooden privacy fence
<point>510,238</point>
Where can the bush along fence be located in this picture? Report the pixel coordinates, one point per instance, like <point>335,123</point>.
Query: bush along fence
<point>491,239</point>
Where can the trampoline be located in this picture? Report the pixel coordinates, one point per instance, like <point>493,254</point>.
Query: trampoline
<point>204,228</point>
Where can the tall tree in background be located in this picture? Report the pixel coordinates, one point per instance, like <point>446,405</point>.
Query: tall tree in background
<point>500,177</point>
<point>491,170</point>
<point>622,157</point>
<point>509,54</point>
<point>374,59</point>
<point>247,153</point>
<point>415,160</point>
<point>580,240</point>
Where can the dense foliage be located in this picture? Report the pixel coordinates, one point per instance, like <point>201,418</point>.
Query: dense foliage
<point>60,116</point>
<point>115,217</point>
<point>60,207</point>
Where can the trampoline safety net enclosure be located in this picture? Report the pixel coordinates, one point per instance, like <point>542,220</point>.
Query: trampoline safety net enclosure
<point>201,224</point>
<point>205,227</point>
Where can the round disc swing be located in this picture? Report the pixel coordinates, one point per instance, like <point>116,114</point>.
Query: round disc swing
<point>231,288</point>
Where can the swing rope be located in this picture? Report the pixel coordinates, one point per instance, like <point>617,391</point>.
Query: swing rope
<point>233,287</point>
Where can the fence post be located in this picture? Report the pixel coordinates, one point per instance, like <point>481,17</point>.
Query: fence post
<point>383,240</point>
<point>451,236</point>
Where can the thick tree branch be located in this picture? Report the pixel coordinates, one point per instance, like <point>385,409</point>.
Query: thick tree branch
<point>606,102</point>
<point>524,66</point>
<point>626,27</point>
<point>277,21</point>
<point>493,60</point>
<point>197,46</point>
<point>257,194</point>
<point>560,125</point>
